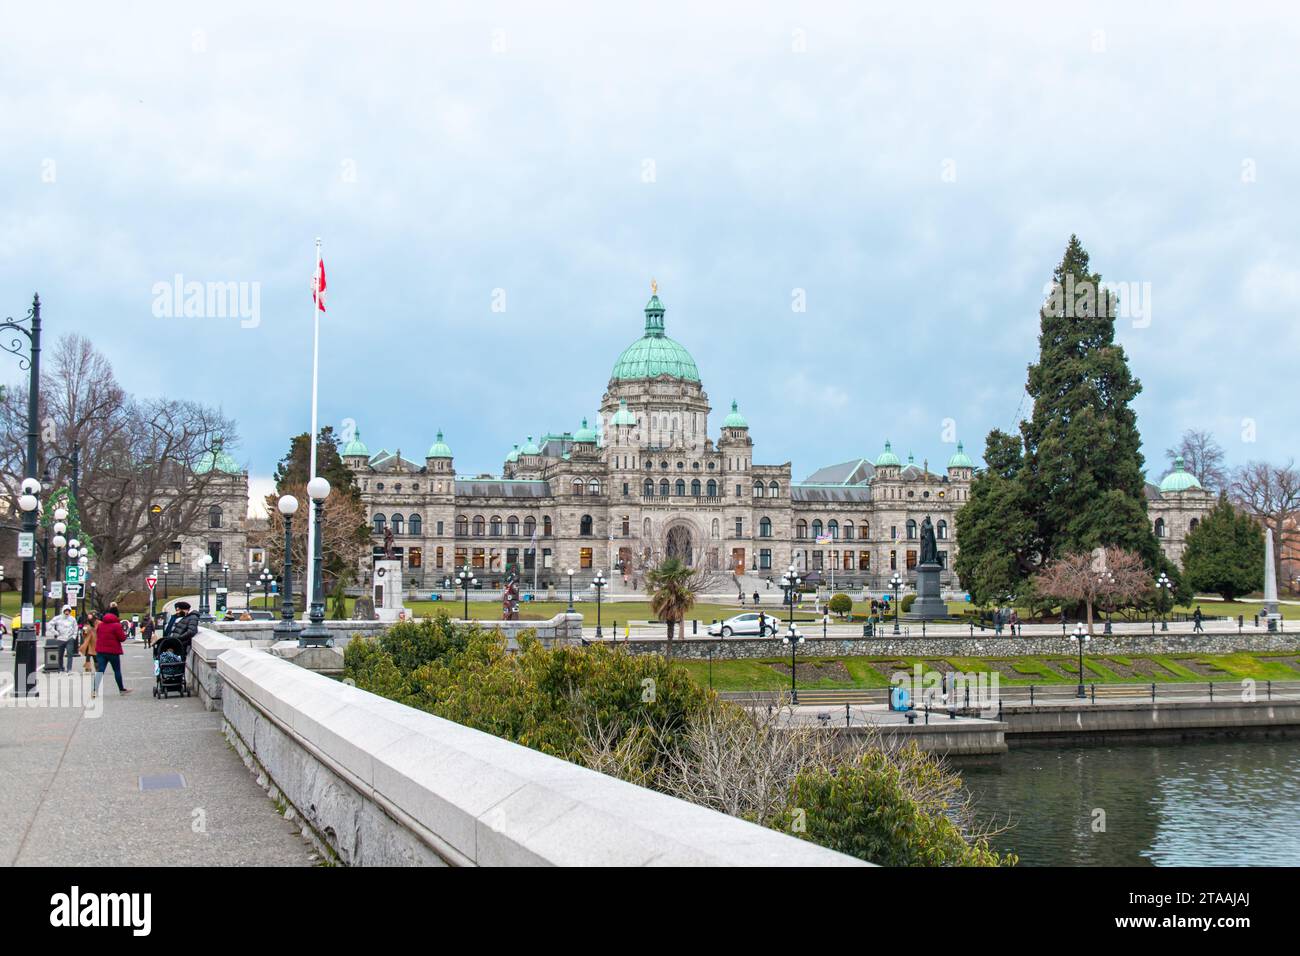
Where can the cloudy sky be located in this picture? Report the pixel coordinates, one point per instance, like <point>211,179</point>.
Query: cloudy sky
<point>495,186</point>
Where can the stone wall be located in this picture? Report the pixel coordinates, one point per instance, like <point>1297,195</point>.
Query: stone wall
<point>1123,644</point>
<point>377,783</point>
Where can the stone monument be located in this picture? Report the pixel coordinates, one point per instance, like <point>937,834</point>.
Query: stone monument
<point>1270,582</point>
<point>929,605</point>
<point>388,589</point>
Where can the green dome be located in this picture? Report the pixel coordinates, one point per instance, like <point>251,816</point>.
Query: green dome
<point>655,354</point>
<point>735,419</point>
<point>529,448</point>
<point>356,446</point>
<point>219,459</point>
<point>623,416</point>
<point>961,459</point>
<point>1178,479</point>
<point>439,448</point>
<point>585,435</point>
<point>887,457</point>
<point>514,454</point>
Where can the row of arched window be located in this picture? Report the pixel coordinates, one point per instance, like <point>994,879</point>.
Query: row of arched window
<point>398,523</point>
<point>511,527</point>
<point>591,487</point>
<point>771,490</point>
<point>1162,531</point>
<point>848,532</point>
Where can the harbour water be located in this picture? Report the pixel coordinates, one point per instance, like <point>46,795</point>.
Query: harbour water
<point>1205,803</point>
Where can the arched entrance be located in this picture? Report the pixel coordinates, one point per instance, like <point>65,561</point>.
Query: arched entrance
<point>679,545</point>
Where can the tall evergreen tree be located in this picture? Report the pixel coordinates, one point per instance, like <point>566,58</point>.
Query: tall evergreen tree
<point>294,468</point>
<point>1225,553</point>
<point>1072,481</point>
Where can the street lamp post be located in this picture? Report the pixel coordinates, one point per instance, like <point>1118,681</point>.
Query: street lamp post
<point>265,579</point>
<point>466,580</point>
<point>316,634</point>
<point>598,582</point>
<point>287,628</point>
<point>790,582</point>
<point>205,612</point>
<point>1164,584</point>
<point>570,574</point>
<point>1080,637</point>
<point>896,582</point>
<point>1104,580</point>
<point>25,636</point>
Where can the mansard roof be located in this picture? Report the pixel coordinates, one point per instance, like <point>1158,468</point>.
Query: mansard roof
<point>827,494</point>
<point>855,472</point>
<point>503,488</point>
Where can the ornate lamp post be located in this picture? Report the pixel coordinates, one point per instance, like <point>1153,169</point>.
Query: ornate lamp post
<point>598,582</point>
<point>896,582</point>
<point>316,634</point>
<point>792,637</point>
<point>248,593</point>
<point>1080,637</point>
<point>1104,580</point>
<point>570,574</point>
<point>466,580</point>
<point>286,629</point>
<point>1163,585</point>
<point>205,612</point>
<point>25,636</point>
<point>265,579</point>
<point>790,583</point>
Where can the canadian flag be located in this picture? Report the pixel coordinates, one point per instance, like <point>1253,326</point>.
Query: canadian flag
<point>318,285</point>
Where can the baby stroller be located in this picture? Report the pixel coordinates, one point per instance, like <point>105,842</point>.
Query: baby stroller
<point>169,668</point>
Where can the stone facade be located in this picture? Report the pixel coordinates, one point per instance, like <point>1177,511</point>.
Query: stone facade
<point>650,481</point>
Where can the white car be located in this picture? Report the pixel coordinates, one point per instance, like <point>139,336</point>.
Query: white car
<point>747,625</point>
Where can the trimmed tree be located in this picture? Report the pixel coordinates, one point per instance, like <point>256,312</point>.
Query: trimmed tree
<point>841,604</point>
<point>1225,553</point>
<point>672,587</point>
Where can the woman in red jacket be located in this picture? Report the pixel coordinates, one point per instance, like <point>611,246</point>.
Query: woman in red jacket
<point>108,650</point>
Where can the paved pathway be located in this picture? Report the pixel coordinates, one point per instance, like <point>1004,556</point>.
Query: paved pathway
<point>70,783</point>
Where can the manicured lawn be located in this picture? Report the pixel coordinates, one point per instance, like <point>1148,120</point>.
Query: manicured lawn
<point>863,672</point>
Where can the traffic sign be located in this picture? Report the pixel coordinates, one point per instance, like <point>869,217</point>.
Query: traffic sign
<point>74,593</point>
<point>152,581</point>
<point>75,574</point>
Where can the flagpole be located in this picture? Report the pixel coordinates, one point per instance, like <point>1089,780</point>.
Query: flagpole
<point>311,438</point>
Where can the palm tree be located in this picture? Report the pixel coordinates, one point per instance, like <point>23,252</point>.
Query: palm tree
<point>672,587</point>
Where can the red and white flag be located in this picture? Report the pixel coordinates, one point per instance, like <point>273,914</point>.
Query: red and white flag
<point>318,286</point>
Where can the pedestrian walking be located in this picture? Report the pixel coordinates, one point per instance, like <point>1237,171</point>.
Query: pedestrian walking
<point>755,599</point>
<point>64,630</point>
<point>1198,617</point>
<point>1015,622</point>
<point>146,630</point>
<point>87,647</point>
<point>108,652</point>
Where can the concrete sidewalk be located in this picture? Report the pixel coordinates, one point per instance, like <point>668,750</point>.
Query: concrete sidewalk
<point>73,779</point>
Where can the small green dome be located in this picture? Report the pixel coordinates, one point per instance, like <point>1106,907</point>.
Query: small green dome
<point>961,459</point>
<point>623,416</point>
<point>585,435</point>
<point>439,448</point>
<point>529,448</point>
<point>735,419</point>
<point>219,459</point>
<point>1179,479</point>
<point>514,454</point>
<point>887,457</point>
<point>356,446</point>
<point>655,354</point>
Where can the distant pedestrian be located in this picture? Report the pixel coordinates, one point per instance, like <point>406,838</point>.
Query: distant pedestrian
<point>147,629</point>
<point>755,599</point>
<point>64,630</point>
<point>87,647</point>
<point>1015,622</point>
<point>108,651</point>
<point>1198,617</point>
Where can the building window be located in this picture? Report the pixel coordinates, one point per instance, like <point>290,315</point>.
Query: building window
<point>625,489</point>
<point>833,529</point>
<point>512,526</point>
<point>1191,525</point>
<point>437,558</point>
<point>712,487</point>
<point>893,532</point>
<point>739,492</point>
<point>546,558</point>
<point>530,525</point>
<point>848,560</point>
<point>479,526</point>
<point>765,559</point>
<point>681,488</point>
<point>911,529</point>
<point>584,526</point>
<point>801,529</point>
<point>415,525</point>
<point>817,557</point>
<point>774,490</point>
<point>530,559</point>
<point>893,560</point>
<point>648,489</point>
<point>577,486</point>
<point>214,549</point>
<point>740,527</point>
<point>695,488</point>
<point>627,526</point>
<point>584,558</point>
<point>593,487</point>
<point>663,488</point>
<point>717,532</point>
<point>214,516</point>
<point>941,530</point>
<point>496,526</point>
<point>759,489</point>
<point>817,528</point>
<point>848,531</point>
<point>478,559</point>
<point>462,558</point>
<point>415,557</point>
<point>911,559</point>
<point>398,523</point>
<point>546,526</point>
<point>864,560</point>
<point>1160,527</point>
<point>462,525</point>
<point>379,524</point>
<point>765,528</point>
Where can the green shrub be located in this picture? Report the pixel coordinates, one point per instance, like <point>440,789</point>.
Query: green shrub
<point>908,601</point>
<point>841,604</point>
